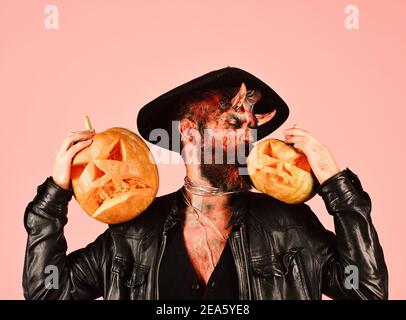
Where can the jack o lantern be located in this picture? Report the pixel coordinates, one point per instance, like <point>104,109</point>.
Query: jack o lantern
<point>281,171</point>
<point>115,178</point>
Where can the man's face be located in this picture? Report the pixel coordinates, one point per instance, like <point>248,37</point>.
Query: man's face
<point>229,133</point>
<point>225,144</point>
<point>226,128</point>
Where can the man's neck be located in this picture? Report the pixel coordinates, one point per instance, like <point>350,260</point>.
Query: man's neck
<point>206,204</point>
<point>210,209</point>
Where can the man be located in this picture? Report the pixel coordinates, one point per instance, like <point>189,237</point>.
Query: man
<point>213,238</point>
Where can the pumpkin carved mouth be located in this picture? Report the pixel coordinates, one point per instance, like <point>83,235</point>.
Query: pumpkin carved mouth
<point>114,179</point>
<point>110,190</point>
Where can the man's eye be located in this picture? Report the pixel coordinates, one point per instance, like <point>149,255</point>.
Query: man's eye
<point>234,122</point>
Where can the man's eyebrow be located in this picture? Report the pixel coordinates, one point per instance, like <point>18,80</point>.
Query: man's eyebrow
<point>236,116</point>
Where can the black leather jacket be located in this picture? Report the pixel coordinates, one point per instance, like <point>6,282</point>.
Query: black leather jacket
<point>281,251</point>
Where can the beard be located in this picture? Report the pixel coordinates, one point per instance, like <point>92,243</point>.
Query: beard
<point>225,176</point>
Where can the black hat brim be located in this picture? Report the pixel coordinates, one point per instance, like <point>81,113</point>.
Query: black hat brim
<point>159,113</point>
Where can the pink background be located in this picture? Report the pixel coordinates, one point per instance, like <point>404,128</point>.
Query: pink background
<point>111,57</point>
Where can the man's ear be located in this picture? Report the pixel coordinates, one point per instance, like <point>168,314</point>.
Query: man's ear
<point>186,128</point>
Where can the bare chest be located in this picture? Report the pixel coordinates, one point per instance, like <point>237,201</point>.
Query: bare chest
<point>204,246</point>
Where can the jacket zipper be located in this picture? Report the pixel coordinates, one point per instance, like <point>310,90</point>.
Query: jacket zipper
<point>160,255</point>
<point>245,260</point>
<point>241,263</point>
<point>238,267</point>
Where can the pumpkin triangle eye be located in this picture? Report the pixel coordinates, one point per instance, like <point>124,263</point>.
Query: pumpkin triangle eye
<point>267,149</point>
<point>98,173</point>
<point>77,170</point>
<point>115,152</point>
<point>286,166</point>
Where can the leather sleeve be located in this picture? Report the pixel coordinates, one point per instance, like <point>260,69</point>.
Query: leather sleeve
<point>353,265</point>
<point>79,274</point>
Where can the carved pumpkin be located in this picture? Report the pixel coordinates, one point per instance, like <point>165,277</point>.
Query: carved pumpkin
<point>115,178</point>
<point>281,171</point>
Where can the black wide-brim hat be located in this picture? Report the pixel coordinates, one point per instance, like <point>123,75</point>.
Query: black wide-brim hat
<point>159,113</point>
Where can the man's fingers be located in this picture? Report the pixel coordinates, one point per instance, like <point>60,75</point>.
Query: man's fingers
<point>296,131</point>
<point>299,132</point>
<point>301,146</point>
<point>294,139</point>
<point>299,142</point>
<point>77,147</point>
<point>82,131</point>
<point>75,137</point>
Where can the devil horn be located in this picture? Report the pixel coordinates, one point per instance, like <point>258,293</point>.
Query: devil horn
<point>239,98</point>
<point>264,117</point>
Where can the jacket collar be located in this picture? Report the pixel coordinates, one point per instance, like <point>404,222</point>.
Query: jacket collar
<point>175,210</point>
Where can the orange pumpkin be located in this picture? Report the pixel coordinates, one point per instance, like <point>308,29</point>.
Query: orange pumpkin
<point>114,179</point>
<point>281,171</point>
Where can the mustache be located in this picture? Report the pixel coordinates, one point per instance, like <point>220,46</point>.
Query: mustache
<point>227,177</point>
<point>237,155</point>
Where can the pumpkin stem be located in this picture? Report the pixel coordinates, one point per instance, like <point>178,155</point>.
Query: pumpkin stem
<point>88,124</point>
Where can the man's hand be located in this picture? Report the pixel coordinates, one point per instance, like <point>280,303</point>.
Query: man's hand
<point>75,142</point>
<point>320,159</point>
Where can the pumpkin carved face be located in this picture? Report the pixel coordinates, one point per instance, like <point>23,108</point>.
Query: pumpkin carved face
<point>281,171</point>
<point>114,179</point>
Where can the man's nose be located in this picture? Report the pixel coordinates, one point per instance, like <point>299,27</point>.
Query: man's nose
<point>247,135</point>
<point>251,128</point>
<point>250,135</point>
